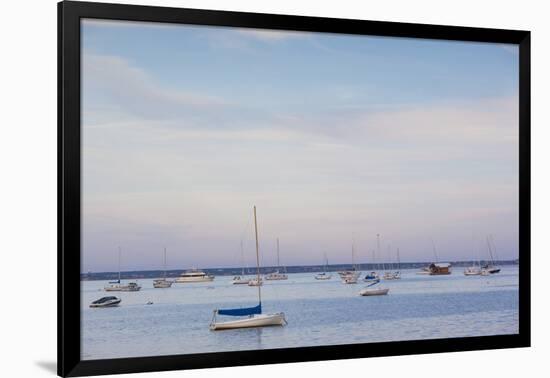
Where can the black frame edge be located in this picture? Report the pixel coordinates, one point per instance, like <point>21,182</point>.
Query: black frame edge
<point>68,348</point>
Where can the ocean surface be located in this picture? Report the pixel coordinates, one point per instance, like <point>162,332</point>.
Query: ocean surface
<point>318,313</point>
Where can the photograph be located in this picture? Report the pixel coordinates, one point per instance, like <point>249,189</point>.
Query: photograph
<point>248,189</point>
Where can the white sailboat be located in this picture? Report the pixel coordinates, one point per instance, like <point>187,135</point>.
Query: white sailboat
<point>350,276</point>
<point>372,289</point>
<point>117,285</point>
<point>393,274</point>
<point>163,283</point>
<point>324,275</point>
<point>277,276</point>
<point>241,280</point>
<point>473,270</point>
<point>253,316</point>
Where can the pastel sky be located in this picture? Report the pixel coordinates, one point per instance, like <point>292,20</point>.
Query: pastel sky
<point>333,137</point>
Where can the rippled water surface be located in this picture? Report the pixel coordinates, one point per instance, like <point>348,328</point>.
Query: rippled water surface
<point>318,313</point>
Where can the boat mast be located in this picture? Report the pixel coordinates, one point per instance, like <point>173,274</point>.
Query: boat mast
<point>119,252</point>
<point>398,260</point>
<point>242,257</point>
<point>378,246</point>
<point>165,263</point>
<point>494,248</point>
<point>435,252</point>
<point>278,262</point>
<point>490,251</point>
<point>257,257</point>
<point>353,254</point>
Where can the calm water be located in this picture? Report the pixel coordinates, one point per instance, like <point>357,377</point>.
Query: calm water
<point>318,313</point>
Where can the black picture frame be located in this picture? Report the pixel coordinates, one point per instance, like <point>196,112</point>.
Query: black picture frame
<point>69,179</point>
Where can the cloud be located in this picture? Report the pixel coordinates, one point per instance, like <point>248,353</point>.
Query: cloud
<point>114,82</point>
<point>269,35</point>
<point>175,167</point>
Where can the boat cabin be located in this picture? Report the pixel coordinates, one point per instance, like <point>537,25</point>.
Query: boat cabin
<point>439,269</point>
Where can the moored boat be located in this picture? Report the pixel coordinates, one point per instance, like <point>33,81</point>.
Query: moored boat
<point>252,316</point>
<point>106,302</point>
<point>163,283</point>
<point>130,286</point>
<point>366,292</point>
<point>324,275</point>
<point>277,275</point>
<point>118,285</point>
<point>194,275</point>
<point>241,280</point>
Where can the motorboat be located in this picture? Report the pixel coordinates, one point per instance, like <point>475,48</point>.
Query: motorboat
<point>117,286</point>
<point>106,302</point>
<point>250,316</point>
<point>194,275</point>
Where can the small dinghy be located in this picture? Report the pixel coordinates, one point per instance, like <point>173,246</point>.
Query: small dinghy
<point>106,302</point>
<point>252,316</point>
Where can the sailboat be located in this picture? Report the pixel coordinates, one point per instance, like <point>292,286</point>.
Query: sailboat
<point>373,276</point>
<point>252,316</point>
<point>241,280</point>
<point>276,276</point>
<point>393,274</point>
<point>350,276</point>
<point>323,275</point>
<point>117,285</point>
<point>474,269</point>
<point>373,291</point>
<point>163,283</point>
<point>490,267</point>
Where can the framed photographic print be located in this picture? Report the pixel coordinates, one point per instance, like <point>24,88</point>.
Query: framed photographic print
<point>239,188</point>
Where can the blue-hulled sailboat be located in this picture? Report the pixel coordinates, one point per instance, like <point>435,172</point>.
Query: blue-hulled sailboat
<point>251,316</point>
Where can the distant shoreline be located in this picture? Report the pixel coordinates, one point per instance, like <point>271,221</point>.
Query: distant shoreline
<point>140,274</point>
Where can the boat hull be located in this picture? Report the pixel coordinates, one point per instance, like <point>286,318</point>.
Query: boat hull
<point>323,277</point>
<point>373,292</point>
<point>194,279</point>
<point>262,320</point>
<point>162,284</point>
<point>122,288</point>
<point>255,283</point>
<point>113,303</point>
